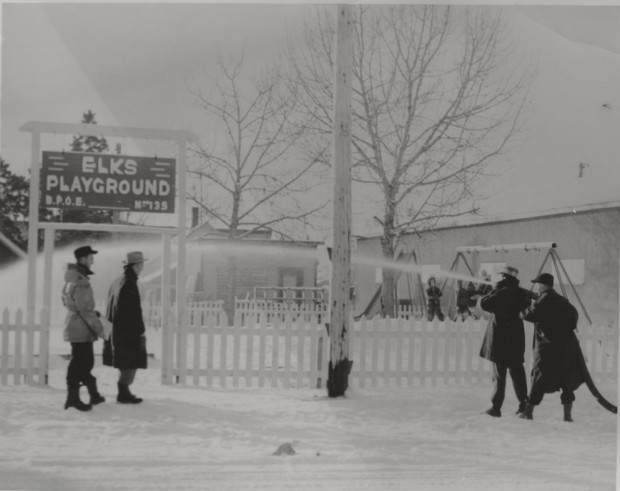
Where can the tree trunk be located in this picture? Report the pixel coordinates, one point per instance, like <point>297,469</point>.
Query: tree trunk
<point>388,290</point>
<point>231,288</point>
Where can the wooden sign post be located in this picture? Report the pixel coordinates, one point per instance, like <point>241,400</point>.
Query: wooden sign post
<point>339,364</point>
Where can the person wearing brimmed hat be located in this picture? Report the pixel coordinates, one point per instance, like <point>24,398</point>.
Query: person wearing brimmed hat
<point>555,362</point>
<point>126,349</point>
<point>433,292</point>
<point>82,328</point>
<point>504,340</point>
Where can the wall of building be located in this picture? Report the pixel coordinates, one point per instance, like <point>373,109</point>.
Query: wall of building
<point>592,236</point>
<point>258,269</point>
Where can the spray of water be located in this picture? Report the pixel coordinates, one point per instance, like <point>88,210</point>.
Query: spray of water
<point>264,250</point>
<point>414,268</point>
<point>108,264</point>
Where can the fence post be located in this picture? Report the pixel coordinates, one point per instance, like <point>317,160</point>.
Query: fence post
<point>19,328</point>
<point>236,348</point>
<point>424,335</point>
<point>262,349</point>
<point>319,361</point>
<point>411,324</point>
<point>363,335</point>
<point>4,366</point>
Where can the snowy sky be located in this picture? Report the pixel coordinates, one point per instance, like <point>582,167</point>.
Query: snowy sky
<point>131,63</point>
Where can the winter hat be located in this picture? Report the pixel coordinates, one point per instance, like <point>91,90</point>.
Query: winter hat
<point>544,279</point>
<point>510,271</point>
<point>83,252</point>
<point>134,257</point>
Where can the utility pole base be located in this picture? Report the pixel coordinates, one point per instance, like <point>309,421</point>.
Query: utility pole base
<point>338,378</point>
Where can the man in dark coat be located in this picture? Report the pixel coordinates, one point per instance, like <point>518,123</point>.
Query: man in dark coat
<point>504,340</point>
<point>433,293</point>
<point>128,340</point>
<point>556,365</point>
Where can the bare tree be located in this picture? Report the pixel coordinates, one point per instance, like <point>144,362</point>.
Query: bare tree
<point>435,102</point>
<point>256,177</point>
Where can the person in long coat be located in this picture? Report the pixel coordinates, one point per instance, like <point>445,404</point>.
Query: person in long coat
<point>82,328</point>
<point>127,345</point>
<point>504,340</point>
<point>555,365</point>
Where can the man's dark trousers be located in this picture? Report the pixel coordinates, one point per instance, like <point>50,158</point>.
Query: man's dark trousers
<point>82,362</point>
<point>517,374</point>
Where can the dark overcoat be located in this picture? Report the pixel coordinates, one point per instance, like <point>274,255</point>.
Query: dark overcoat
<point>504,340</point>
<point>128,334</point>
<point>556,356</point>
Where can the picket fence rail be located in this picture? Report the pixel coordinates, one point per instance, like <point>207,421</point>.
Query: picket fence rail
<point>151,310</point>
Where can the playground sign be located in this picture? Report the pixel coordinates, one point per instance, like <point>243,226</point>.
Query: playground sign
<point>107,182</point>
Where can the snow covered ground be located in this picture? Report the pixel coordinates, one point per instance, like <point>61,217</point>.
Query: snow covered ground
<point>199,438</point>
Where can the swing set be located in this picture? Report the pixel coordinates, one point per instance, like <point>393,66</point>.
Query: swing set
<point>562,276</point>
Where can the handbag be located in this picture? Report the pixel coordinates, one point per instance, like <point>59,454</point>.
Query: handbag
<point>107,356</point>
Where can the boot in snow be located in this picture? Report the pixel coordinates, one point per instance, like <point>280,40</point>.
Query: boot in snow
<point>567,412</point>
<point>73,400</point>
<point>125,396</point>
<point>95,396</point>
<point>528,413</point>
<point>521,407</point>
<point>494,411</point>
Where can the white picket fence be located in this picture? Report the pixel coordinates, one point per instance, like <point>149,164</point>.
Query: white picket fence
<point>289,353</point>
<point>274,348</point>
<point>294,352</point>
<point>23,350</point>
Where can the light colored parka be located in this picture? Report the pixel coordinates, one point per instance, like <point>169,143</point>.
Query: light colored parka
<point>82,324</point>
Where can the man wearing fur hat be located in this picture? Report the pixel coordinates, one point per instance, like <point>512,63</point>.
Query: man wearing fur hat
<point>128,340</point>
<point>556,365</point>
<point>82,328</point>
<point>504,340</point>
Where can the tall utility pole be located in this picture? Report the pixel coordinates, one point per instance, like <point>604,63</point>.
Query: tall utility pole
<point>339,364</point>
